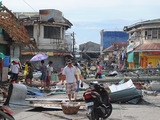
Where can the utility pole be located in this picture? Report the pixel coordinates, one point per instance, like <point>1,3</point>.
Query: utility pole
<point>73,47</point>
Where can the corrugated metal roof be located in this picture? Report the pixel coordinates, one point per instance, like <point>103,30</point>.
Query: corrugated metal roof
<point>116,45</point>
<point>111,48</point>
<point>119,45</point>
<point>149,47</point>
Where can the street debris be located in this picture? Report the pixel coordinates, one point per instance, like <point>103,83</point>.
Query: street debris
<point>131,95</point>
<point>126,85</point>
<point>16,95</point>
<point>114,73</point>
<point>125,92</point>
<point>155,86</point>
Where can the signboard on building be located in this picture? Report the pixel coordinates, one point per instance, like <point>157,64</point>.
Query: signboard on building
<point>130,47</point>
<point>47,53</point>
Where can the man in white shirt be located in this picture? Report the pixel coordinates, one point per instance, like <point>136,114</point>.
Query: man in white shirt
<point>70,73</point>
<point>49,72</point>
<point>15,70</point>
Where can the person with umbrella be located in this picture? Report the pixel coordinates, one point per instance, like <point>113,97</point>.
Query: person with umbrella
<point>43,78</point>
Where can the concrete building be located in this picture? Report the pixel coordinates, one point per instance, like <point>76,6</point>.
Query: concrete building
<point>47,28</point>
<point>107,37</point>
<point>68,42</point>
<point>144,42</point>
<point>89,50</point>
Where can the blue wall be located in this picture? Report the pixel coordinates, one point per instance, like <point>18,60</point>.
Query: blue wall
<point>114,36</point>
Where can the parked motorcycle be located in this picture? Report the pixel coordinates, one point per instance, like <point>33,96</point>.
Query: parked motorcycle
<point>5,113</point>
<point>97,103</point>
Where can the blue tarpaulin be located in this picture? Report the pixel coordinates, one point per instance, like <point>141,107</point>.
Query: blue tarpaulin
<point>6,61</point>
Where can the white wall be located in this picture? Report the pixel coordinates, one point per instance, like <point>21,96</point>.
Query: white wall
<point>15,51</point>
<point>44,43</point>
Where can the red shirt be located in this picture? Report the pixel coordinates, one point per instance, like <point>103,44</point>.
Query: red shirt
<point>99,69</point>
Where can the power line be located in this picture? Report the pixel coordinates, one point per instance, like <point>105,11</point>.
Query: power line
<point>30,6</point>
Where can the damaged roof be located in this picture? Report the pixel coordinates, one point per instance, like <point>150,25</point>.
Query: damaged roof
<point>116,45</point>
<point>14,28</point>
<point>46,16</point>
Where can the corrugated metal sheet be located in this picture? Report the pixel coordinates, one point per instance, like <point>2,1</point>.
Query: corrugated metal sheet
<point>150,46</point>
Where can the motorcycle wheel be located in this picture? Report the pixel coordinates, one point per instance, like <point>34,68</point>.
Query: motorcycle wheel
<point>6,116</point>
<point>108,111</point>
<point>92,115</point>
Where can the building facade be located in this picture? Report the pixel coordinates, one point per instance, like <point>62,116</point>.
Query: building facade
<point>145,40</point>
<point>47,28</point>
<point>89,51</point>
<point>107,37</point>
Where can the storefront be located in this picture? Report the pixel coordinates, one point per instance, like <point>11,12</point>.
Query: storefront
<point>58,58</point>
<point>147,57</point>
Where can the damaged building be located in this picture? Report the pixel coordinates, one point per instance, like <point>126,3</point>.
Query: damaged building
<point>13,37</point>
<point>144,43</point>
<point>47,28</point>
<point>89,51</point>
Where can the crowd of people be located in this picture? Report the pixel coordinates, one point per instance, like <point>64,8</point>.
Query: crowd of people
<point>73,73</point>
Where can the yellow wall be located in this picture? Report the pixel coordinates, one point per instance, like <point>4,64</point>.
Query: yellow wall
<point>153,59</point>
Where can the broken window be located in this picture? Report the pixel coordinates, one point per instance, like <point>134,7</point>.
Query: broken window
<point>154,34</point>
<point>52,32</point>
<point>29,31</point>
<point>149,34</point>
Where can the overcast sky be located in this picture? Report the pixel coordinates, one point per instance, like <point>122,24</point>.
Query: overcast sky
<point>90,16</point>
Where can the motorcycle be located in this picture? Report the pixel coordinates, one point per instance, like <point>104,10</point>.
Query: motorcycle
<point>5,113</point>
<point>97,102</point>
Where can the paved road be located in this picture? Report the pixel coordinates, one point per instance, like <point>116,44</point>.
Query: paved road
<point>120,112</point>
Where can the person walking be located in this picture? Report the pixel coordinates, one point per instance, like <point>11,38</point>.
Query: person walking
<point>49,73</point>
<point>79,77</point>
<point>26,71</point>
<point>43,69</point>
<point>15,69</point>
<point>99,71</point>
<point>70,74</point>
<point>29,76</point>
<point>150,65</point>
